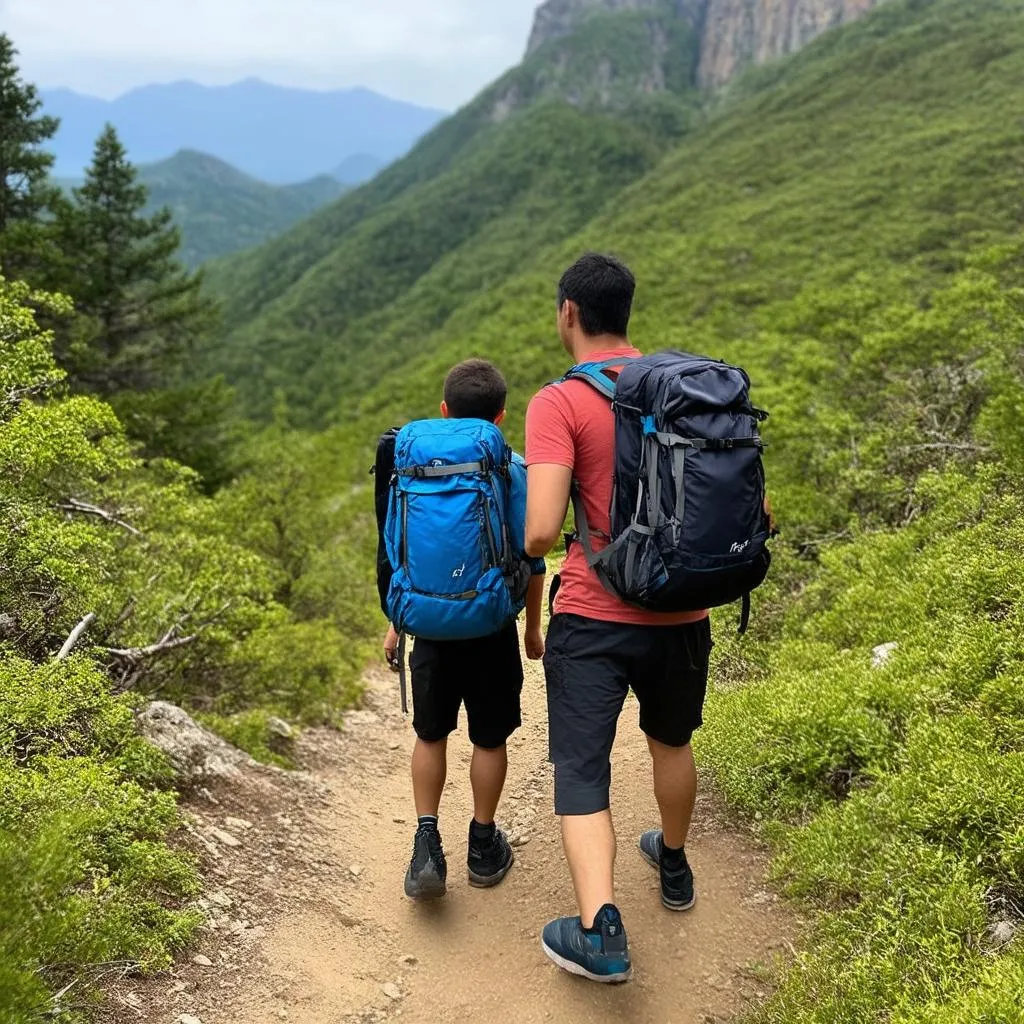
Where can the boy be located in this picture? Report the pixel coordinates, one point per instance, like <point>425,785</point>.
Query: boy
<point>484,674</point>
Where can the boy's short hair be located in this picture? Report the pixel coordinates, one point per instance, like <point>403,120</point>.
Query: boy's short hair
<point>603,288</point>
<point>475,389</point>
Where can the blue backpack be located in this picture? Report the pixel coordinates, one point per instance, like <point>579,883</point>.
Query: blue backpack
<point>453,534</point>
<point>689,528</point>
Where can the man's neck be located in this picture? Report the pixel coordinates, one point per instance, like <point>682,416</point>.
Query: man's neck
<point>587,347</point>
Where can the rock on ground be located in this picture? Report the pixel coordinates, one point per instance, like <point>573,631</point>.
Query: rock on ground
<point>195,752</point>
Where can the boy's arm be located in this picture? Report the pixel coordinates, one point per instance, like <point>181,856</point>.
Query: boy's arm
<point>534,640</point>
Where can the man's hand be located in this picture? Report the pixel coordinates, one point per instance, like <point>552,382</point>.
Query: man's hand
<point>534,643</point>
<point>773,527</point>
<point>391,647</point>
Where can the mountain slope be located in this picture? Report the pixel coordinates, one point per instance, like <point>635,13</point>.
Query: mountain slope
<point>221,210</point>
<point>730,34</point>
<point>345,298</point>
<point>848,226</point>
<point>273,133</point>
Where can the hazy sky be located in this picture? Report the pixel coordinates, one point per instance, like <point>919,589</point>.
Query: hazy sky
<point>435,52</point>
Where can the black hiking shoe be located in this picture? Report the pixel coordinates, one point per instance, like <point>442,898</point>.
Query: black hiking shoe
<point>428,871</point>
<point>676,879</point>
<point>490,860</point>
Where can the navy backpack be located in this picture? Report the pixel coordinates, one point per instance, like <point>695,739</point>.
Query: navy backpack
<point>689,528</point>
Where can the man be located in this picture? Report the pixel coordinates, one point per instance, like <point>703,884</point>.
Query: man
<point>598,646</point>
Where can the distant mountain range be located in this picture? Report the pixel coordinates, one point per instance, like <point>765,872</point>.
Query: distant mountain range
<point>275,134</point>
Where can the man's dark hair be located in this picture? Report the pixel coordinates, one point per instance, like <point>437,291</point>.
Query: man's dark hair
<point>475,389</point>
<point>603,289</point>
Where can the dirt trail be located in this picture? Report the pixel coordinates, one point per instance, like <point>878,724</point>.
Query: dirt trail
<point>345,945</point>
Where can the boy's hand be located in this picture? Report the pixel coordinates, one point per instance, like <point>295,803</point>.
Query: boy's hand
<point>391,646</point>
<point>773,526</point>
<point>534,643</point>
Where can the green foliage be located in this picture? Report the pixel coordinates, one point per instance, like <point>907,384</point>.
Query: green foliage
<point>25,189</point>
<point>88,878</point>
<point>144,310</point>
<point>171,600</point>
<point>909,776</point>
<point>408,261</point>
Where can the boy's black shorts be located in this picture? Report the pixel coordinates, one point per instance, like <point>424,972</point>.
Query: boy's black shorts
<point>590,667</point>
<point>486,675</point>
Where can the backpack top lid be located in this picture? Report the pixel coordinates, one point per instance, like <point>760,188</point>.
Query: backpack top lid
<point>469,445</point>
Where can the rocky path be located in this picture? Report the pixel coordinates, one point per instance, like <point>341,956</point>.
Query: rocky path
<point>308,922</point>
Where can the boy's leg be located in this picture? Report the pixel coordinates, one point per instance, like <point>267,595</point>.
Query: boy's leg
<point>429,771</point>
<point>436,714</point>
<point>487,777</point>
<point>671,685</point>
<point>492,689</point>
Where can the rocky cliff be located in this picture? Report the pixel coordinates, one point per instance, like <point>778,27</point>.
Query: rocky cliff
<point>733,33</point>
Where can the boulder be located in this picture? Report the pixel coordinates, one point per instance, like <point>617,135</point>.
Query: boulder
<point>881,655</point>
<point>194,751</point>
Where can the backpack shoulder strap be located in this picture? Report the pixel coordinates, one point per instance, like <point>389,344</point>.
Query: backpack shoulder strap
<point>601,376</point>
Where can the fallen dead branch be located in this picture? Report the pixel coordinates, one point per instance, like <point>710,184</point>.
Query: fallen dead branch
<point>76,635</point>
<point>86,509</point>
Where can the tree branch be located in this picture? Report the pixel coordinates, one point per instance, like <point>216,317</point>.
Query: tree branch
<point>134,654</point>
<point>83,507</point>
<point>76,635</point>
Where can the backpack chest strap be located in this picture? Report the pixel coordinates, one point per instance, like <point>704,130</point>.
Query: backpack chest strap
<point>432,472</point>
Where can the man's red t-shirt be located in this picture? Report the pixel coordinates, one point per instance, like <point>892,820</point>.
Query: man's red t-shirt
<point>572,425</point>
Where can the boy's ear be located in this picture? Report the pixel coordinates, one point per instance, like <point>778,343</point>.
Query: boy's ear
<point>500,418</point>
<point>444,411</point>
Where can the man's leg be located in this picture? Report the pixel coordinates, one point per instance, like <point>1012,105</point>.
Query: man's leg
<point>429,771</point>
<point>586,682</point>
<point>671,682</point>
<point>589,844</point>
<point>487,777</point>
<point>675,789</point>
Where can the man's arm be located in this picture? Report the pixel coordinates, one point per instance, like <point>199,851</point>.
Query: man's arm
<point>547,502</point>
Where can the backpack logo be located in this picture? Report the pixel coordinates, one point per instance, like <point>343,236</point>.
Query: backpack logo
<point>460,572</point>
<point>738,548</point>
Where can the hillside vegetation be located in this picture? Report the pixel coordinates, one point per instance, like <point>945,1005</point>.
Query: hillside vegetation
<point>220,210</point>
<point>517,170</point>
<point>846,224</point>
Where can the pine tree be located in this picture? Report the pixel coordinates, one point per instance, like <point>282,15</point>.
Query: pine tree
<point>26,193</point>
<point>143,310</point>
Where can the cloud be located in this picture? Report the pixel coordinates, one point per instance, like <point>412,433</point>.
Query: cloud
<point>432,50</point>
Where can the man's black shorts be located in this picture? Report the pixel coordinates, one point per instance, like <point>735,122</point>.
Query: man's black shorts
<point>485,674</point>
<point>590,667</point>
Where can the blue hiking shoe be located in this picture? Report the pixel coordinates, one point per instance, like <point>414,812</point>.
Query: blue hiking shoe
<point>600,956</point>
<point>676,878</point>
